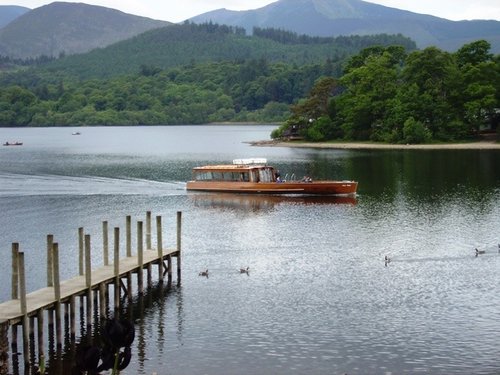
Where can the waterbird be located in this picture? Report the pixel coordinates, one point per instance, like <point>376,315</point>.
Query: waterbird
<point>203,273</point>
<point>479,251</point>
<point>387,260</point>
<point>245,270</point>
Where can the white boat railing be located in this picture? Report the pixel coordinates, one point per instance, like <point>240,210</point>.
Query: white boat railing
<point>250,161</point>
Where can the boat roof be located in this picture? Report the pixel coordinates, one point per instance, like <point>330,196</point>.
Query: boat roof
<point>230,167</point>
<point>238,165</point>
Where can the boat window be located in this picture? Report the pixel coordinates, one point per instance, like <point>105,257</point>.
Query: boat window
<point>203,176</point>
<point>221,176</point>
<point>266,175</point>
<point>255,176</point>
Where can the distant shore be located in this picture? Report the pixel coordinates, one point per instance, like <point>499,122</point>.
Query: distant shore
<point>480,145</point>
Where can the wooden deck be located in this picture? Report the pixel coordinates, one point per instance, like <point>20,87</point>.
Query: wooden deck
<point>90,284</point>
<point>11,312</point>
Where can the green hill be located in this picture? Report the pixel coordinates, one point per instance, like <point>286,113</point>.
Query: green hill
<point>189,44</point>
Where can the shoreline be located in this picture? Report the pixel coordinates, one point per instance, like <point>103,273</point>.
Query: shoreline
<point>479,145</point>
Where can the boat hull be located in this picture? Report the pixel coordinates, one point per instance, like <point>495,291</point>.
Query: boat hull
<point>292,187</point>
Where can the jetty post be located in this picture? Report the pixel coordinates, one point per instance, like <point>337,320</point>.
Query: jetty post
<point>24,308</point>
<point>140,257</point>
<point>81,244</point>
<point>159,247</point>
<point>148,230</point>
<point>88,279</point>
<point>50,277</point>
<point>57,293</point>
<point>15,288</point>
<point>128,225</point>
<point>116,261</point>
<point>15,271</point>
<point>179,228</point>
<point>4,348</point>
<point>149,267</point>
<point>105,243</point>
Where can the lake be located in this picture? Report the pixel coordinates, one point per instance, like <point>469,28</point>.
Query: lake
<point>319,298</point>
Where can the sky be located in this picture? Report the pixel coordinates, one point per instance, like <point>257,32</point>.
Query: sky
<point>178,11</point>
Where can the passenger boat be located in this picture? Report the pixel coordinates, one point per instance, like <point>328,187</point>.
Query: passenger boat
<point>256,177</point>
<point>13,144</point>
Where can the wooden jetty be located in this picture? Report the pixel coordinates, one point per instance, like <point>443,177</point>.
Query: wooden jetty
<point>90,285</point>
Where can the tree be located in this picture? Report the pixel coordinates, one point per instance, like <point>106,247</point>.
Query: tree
<point>369,89</point>
<point>474,53</point>
<point>480,80</point>
<point>434,74</point>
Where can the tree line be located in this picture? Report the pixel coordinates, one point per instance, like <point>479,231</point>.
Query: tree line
<point>388,95</point>
<point>247,91</point>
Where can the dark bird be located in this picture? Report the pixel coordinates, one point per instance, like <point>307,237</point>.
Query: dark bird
<point>245,270</point>
<point>479,251</point>
<point>203,273</point>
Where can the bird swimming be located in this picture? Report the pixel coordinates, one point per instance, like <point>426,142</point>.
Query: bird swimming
<point>479,251</point>
<point>203,273</point>
<point>245,270</point>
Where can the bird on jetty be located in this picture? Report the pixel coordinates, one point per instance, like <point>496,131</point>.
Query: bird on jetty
<point>479,251</point>
<point>245,270</point>
<point>203,273</point>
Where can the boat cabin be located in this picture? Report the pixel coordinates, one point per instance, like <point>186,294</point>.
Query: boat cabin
<point>242,170</point>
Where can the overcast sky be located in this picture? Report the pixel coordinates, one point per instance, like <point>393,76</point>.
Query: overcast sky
<point>177,11</point>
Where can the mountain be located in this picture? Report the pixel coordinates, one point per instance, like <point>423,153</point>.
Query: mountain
<point>8,13</point>
<point>351,17</point>
<point>69,28</point>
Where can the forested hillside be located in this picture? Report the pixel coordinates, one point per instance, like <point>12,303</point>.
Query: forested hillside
<point>387,95</point>
<point>190,44</point>
<point>252,90</point>
<point>183,74</point>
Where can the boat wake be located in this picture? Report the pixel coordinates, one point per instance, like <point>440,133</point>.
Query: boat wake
<point>33,185</point>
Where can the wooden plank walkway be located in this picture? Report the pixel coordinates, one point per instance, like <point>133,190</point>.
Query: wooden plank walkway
<point>24,307</point>
<point>10,311</point>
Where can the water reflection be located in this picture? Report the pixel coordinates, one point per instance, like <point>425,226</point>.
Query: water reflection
<point>141,310</point>
<point>256,202</point>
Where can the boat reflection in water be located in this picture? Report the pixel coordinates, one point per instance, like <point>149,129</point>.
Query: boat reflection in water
<point>263,201</point>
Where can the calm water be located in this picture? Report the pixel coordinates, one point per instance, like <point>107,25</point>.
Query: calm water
<point>319,298</point>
